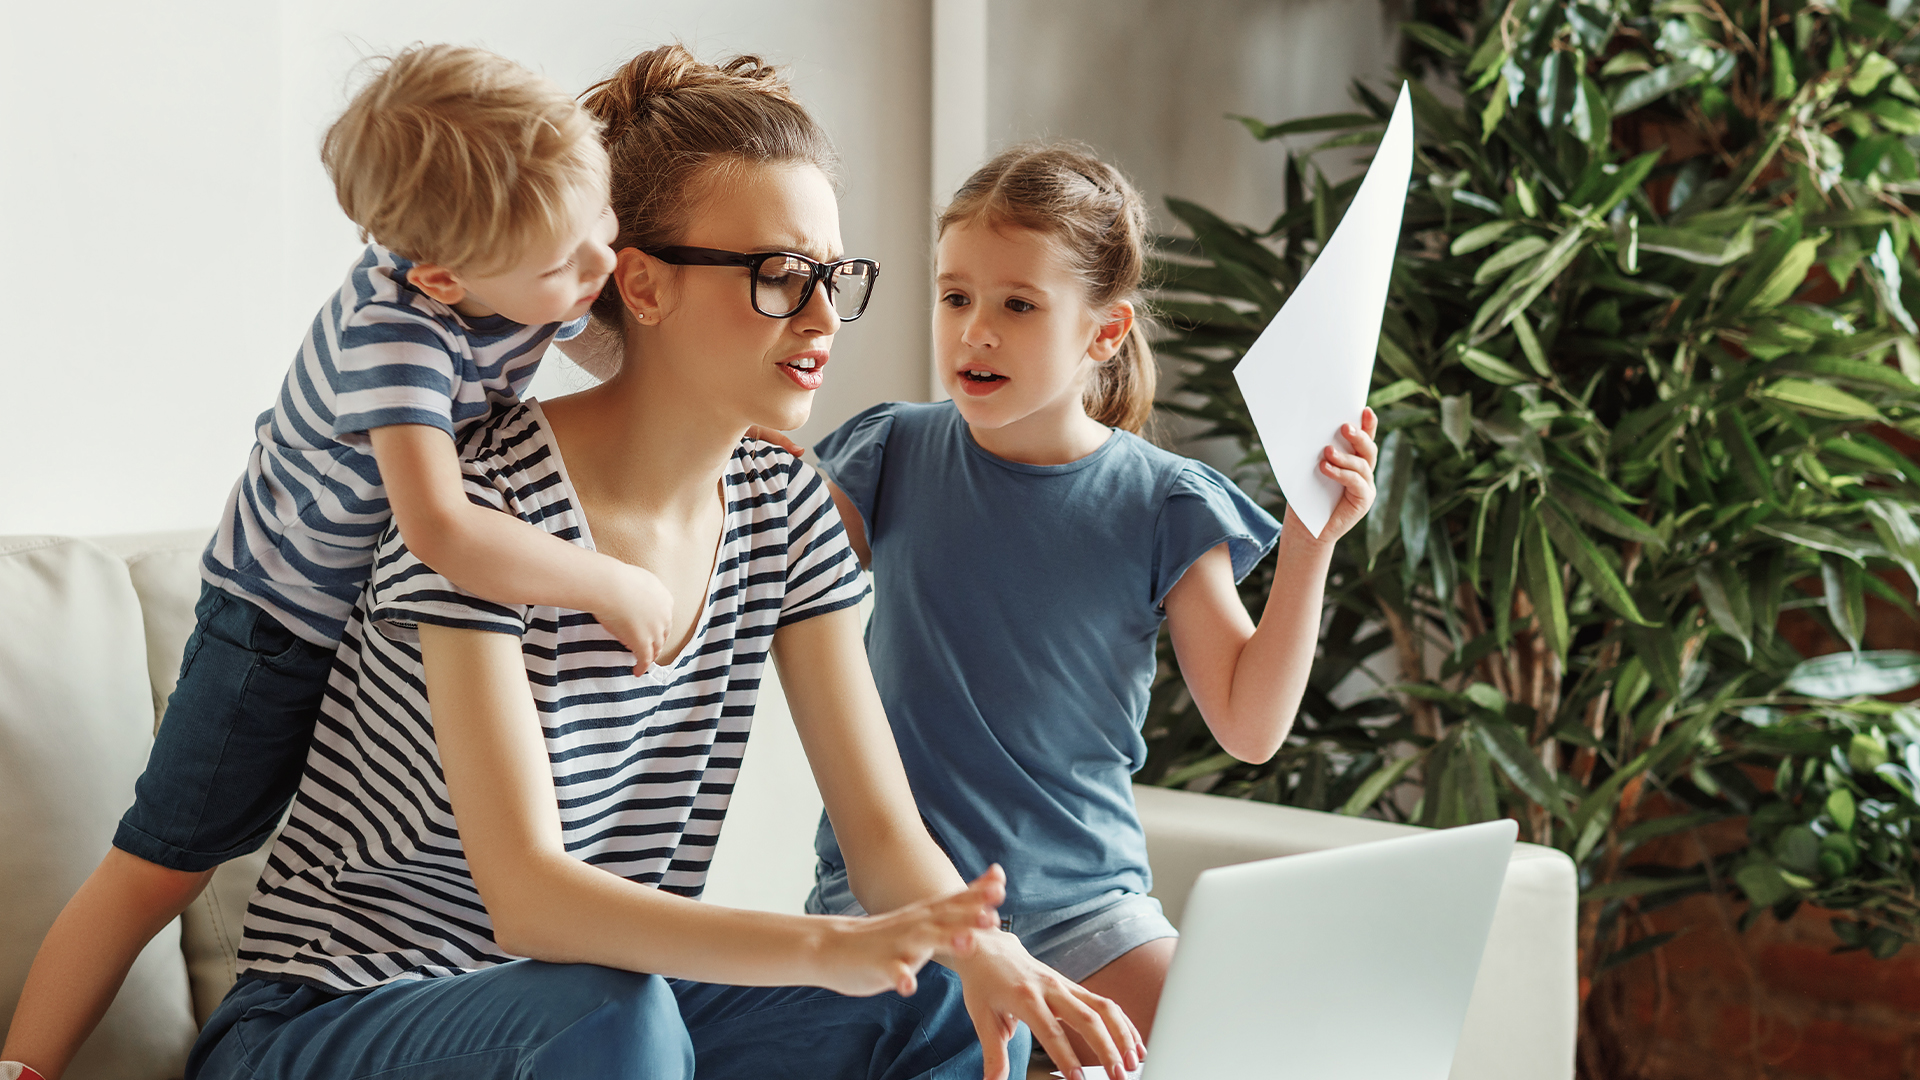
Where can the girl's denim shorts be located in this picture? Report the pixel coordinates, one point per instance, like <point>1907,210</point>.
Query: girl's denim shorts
<point>1076,941</point>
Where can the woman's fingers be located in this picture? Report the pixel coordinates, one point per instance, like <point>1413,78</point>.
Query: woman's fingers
<point>1119,1027</point>
<point>1069,1006</point>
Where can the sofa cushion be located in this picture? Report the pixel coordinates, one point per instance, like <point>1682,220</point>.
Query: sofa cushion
<point>76,719</point>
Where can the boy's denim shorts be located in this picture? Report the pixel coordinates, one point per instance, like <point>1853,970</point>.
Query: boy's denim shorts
<point>233,743</point>
<point>1076,941</point>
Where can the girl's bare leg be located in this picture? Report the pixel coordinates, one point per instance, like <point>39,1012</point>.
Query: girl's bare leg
<point>1133,982</point>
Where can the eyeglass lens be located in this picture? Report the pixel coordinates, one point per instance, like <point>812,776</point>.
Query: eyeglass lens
<point>780,286</point>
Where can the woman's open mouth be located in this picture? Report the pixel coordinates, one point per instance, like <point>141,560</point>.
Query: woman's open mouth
<point>808,370</point>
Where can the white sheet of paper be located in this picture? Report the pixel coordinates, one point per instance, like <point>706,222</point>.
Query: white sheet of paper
<point>1098,1072</point>
<point>1309,371</point>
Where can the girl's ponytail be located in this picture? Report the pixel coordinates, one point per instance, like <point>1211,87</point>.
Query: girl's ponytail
<point>1099,221</point>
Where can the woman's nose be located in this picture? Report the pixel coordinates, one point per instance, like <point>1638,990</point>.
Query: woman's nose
<point>817,315</point>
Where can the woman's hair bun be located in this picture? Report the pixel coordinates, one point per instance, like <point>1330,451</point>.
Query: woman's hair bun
<point>646,81</point>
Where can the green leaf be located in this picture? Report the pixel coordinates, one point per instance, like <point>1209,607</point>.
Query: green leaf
<point>1491,368</point>
<point>1786,278</point>
<point>1376,785</point>
<point>1695,246</point>
<point>1390,479</point>
<point>1821,400</point>
<point>1621,888</point>
<point>1820,538</point>
<point>1851,674</point>
<point>1480,236</point>
<point>1505,565</point>
<point>1592,565</point>
<point>1843,598</point>
<point>1544,586</point>
<point>1721,606</point>
<point>1436,39</point>
<point>1605,516</point>
<point>1456,420</point>
<point>1841,809</point>
<point>1628,180</point>
<point>1389,394</point>
<point>1309,125</point>
<point>1508,749</point>
<point>1522,287</point>
<point>1763,884</point>
<point>1645,89</point>
<point>1512,255</point>
<point>1530,346</point>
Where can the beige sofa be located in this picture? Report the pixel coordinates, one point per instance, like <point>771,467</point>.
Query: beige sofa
<point>90,638</point>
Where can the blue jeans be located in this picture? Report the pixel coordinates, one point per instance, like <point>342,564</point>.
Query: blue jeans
<point>529,1020</point>
<point>230,750</point>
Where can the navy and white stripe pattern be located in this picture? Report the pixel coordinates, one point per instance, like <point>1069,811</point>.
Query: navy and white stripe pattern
<point>367,883</point>
<point>299,529</point>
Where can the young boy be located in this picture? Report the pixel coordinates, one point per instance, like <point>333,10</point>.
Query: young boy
<point>483,189</point>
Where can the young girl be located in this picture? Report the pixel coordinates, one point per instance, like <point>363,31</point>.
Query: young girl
<point>1026,544</point>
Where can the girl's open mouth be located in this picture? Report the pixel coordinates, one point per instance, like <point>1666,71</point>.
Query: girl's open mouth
<point>808,372</point>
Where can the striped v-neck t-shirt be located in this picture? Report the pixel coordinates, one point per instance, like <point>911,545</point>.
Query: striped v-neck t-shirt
<point>299,529</point>
<point>367,883</point>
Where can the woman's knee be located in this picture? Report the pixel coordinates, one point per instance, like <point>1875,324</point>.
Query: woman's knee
<point>628,1024</point>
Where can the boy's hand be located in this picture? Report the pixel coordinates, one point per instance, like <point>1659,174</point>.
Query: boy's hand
<point>638,612</point>
<point>777,438</point>
<point>1353,472</point>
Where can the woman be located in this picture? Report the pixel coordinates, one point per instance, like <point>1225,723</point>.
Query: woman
<point>553,805</point>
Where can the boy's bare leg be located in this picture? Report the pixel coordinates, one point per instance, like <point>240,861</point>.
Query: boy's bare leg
<point>86,955</point>
<point>1132,982</point>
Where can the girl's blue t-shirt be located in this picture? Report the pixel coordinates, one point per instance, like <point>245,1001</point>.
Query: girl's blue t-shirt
<point>1016,609</point>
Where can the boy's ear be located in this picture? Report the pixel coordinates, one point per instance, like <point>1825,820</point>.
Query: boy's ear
<point>438,282</point>
<point>641,280</point>
<point>1112,333</point>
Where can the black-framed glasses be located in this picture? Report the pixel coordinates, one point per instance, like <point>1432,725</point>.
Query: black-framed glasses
<point>781,282</point>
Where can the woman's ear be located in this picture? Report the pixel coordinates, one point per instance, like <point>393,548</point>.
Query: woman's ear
<point>1112,333</point>
<point>438,282</point>
<point>641,280</point>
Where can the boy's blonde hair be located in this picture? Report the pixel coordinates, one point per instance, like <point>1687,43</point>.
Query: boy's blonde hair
<point>456,156</point>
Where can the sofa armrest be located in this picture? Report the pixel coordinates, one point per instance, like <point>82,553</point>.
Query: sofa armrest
<point>1523,1017</point>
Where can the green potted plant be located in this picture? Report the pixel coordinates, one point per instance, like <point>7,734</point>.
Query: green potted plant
<point>1646,383</point>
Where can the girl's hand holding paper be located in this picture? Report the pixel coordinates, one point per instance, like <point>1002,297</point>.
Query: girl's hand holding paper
<point>1352,469</point>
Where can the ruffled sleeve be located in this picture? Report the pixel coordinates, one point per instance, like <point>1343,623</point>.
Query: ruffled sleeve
<point>1203,510</point>
<point>853,455</point>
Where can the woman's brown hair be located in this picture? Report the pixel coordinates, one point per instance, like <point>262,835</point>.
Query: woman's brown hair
<point>1098,220</point>
<point>670,122</point>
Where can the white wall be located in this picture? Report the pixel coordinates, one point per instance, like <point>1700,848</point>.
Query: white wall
<point>161,167</point>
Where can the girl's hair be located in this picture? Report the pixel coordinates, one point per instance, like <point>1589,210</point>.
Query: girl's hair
<point>456,156</point>
<point>1098,222</point>
<point>673,123</point>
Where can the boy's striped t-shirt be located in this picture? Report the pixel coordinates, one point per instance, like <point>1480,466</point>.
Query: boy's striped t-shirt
<point>299,528</point>
<point>368,883</point>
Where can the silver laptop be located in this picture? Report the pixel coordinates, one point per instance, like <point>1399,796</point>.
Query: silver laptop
<point>1349,964</point>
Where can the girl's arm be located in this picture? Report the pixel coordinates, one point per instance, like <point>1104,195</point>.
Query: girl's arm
<point>891,860</point>
<point>501,558</point>
<point>1247,682</point>
<point>550,906</point>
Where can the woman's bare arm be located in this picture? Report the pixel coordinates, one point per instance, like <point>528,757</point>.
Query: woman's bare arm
<point>548,905</point>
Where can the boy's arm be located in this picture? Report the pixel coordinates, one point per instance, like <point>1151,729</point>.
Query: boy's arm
<point>498,557</point>
<point>87,953</point>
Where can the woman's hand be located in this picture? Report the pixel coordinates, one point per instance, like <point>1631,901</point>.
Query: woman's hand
<point>863,956</point>
<point>1003,984</point>
<point>1353,471</point>
<point>777,438</point>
